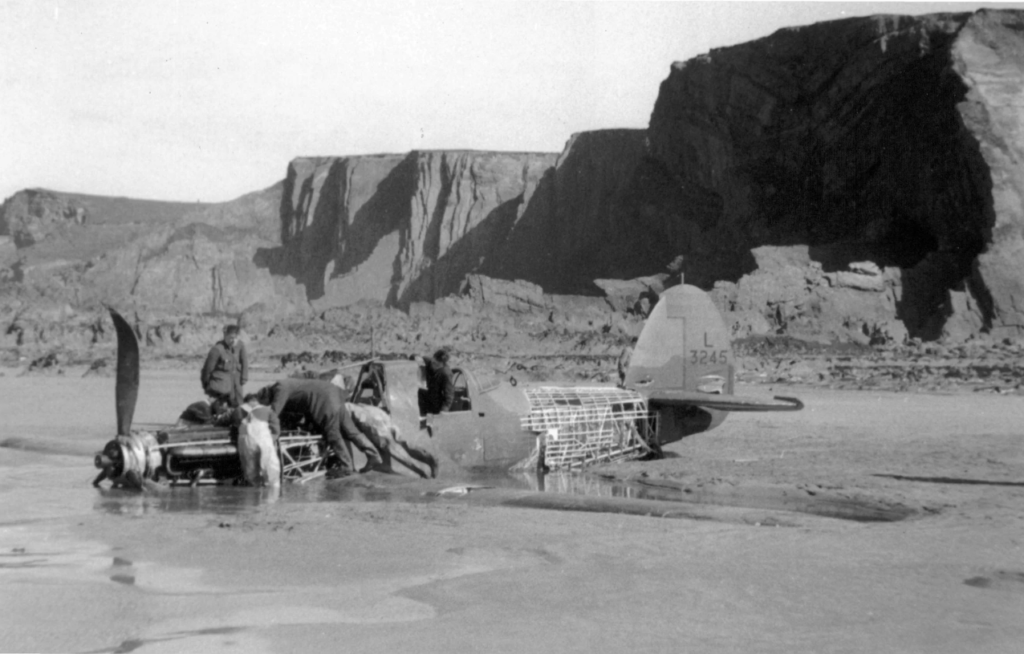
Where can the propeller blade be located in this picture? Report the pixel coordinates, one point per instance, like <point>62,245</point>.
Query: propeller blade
<point>126,392</point>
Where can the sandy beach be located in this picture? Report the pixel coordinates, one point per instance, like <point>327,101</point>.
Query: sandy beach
<point>933,560</point>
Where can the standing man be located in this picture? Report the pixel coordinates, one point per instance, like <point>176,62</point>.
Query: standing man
<point>440,391</point>
<point>322,404</point>
<point>226,370</point>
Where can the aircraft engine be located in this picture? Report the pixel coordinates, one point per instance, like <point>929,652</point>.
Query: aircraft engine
<point>127,460</point>
<point>177,454</point>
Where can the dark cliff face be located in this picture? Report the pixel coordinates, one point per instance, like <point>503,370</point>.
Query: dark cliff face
<point>838,132</point>
<point>892,139</point>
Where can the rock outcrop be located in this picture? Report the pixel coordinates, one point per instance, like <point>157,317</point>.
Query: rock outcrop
<point>33,216</point>
<point>790,294</point>
<point>163,258</point>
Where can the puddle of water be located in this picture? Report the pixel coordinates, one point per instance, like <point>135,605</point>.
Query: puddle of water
<point>217,500</point>
<point>999,579</point>
<point>234,500</point>
<point>954,480</point>
<point>135,643</point>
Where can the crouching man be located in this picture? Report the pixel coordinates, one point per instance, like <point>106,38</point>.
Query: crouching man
<point>258,433</point>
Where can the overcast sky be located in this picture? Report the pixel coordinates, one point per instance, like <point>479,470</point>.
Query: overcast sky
<point>205,100</point>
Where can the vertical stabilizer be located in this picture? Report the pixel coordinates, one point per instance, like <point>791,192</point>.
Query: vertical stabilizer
<point>684,350</point>
<point>684,346</point>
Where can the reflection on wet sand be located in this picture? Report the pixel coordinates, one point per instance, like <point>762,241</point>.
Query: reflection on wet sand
<point>216,500</point>
<point>233,500</point>
<point>582,492</point>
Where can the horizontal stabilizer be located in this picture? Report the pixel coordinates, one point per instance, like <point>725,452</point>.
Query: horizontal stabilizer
<point>679,397</point>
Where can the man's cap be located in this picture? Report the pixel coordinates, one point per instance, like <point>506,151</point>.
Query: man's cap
<point>230,329</point>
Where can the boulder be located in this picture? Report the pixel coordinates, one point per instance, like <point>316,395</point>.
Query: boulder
<point>517,296</point>
<point>862,275</point>
<point>964,321</point>
<point>637,296</point>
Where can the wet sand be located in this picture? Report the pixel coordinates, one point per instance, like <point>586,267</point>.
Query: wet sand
<point>382,564</point>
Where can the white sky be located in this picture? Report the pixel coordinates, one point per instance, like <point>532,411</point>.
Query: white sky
<point>206,100</point>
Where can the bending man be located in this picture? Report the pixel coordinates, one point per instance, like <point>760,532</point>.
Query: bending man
<point>322,404</point>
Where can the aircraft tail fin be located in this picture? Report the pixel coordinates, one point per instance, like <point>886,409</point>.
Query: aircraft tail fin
<point>684,365</point>
<point>684,346</point>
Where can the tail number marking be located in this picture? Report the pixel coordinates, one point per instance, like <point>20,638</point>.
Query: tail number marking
<point>702,357</point>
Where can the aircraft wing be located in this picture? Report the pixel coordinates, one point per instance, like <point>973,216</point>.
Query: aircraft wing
<point>673,397</point>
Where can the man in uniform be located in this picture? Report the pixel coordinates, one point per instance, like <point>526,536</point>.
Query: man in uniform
<point>440,392</point>
<point>322,404</point>
<point>226,370</point>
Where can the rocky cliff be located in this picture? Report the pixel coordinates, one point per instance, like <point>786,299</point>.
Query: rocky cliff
<point>858,179</point>
<point>891,139</point>
<point>988,57</point>
<point>405,228</point>
<point>396,229</point>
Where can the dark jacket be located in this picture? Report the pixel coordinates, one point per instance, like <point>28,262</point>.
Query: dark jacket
<point>224,368</point>
<point>440,387</point>
<point>317,400</point>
